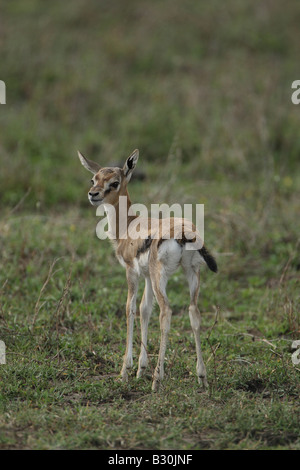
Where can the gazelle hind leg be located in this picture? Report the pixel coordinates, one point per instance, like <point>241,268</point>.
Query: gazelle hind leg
<point>145,312</point>
<point>193,277</point>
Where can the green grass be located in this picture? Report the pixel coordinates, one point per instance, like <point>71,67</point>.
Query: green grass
<point>203,90</point>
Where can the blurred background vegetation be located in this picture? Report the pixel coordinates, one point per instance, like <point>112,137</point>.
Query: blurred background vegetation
<point>209,83</point>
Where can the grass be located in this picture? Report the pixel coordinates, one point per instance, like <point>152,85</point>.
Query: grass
<point>203,91</point>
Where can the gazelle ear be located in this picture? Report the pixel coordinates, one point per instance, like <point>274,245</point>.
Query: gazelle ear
<point>130,164</point>
<point>91,166</point>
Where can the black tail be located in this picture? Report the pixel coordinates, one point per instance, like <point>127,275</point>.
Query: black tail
<point>209,259</point>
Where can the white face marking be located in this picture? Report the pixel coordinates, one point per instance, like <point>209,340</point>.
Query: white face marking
<point>112,185</point>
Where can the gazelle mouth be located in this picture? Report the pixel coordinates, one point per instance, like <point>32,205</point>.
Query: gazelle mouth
<point>95,202</point>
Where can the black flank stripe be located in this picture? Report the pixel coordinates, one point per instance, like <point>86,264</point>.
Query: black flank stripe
<point>145,246</point>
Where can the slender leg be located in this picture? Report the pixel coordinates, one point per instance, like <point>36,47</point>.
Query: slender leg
<point>132,280</point>
<point>193,278</point>
<point>165,322</point>
<point>145,312</point>
<point>159,282</point>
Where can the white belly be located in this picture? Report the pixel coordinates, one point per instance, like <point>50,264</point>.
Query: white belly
<point>141,264</point>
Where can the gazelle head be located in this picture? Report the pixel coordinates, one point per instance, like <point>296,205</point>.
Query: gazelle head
<point>109,182</point>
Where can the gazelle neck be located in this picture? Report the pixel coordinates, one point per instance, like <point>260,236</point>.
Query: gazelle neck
<point>118,218</point>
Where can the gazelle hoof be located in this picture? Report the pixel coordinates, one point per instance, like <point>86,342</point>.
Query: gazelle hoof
<point>124,376</point>
<point>140,372</point>
<point>155,385</point>
<point>202,381</point>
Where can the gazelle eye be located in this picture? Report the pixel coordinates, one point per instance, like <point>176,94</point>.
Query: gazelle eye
<point>114,185</point>
<point>92,182</point>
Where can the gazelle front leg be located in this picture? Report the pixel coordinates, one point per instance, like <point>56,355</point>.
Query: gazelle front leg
<point>132,280</point>
<point>165,322</point>
<point>159,280</point>
<point>195,319</point>
<point>145,312</point>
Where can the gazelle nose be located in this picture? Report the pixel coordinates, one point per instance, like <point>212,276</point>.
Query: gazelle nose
<point>93,194</point>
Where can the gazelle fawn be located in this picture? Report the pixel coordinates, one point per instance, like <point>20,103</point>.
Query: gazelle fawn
<point>155,255</point>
